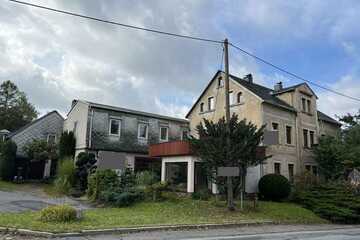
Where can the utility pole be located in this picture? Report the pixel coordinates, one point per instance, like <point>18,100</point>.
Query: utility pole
<point>230,196</point>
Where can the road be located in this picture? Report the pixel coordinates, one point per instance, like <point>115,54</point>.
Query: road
<point>264,232</point>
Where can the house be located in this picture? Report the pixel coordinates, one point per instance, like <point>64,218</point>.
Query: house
<point>49,128</point>
<point>119,137</point>
<point>290,111</point>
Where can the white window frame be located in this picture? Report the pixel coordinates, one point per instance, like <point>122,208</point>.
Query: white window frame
<point>211,107</point>
<point>167,134</point>
<point>48,136</point>
<point>147,130</point>
<point>231,98</point>
<point>291,135</point>
<point>113,134</point>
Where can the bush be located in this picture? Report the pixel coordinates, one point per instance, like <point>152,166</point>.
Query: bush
<point>155,190</point>
<point>65,177</point>
<point>274,187</point>
<point>202,194</point>
<point>145,178</point>
<point>67,144</point>
<point>333,201</point>
<point>100,181</point>
<point>60,213</point>
<point>85,164</point>
<point>7,160</point>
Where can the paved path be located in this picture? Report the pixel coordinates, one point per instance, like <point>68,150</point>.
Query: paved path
<point>263,232</point>
<point>20,201</point>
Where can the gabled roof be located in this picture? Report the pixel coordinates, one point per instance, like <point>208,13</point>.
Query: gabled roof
<point>292,88</point>
<point>126,110</point>
<point>33,122</point>
<point>323,117</point>
<point>266,94</point>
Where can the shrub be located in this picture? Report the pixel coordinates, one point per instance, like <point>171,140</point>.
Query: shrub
<point>85,164</point>
<point>274,187</point>
<point>202,194</point>
<point>101,181</point>
<point>155,190</point>
<point>60,213</point>
<point>333,201</point>
<point>65,177</point>
<point>7,160</point>
<point>67,144</point>
<point>145,178</point>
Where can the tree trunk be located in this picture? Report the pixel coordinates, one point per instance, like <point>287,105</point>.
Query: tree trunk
<point>230,194</point>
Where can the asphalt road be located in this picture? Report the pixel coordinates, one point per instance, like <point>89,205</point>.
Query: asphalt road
<point>263,232</point>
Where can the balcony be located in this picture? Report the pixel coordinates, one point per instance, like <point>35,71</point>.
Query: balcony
<point>173,148</point>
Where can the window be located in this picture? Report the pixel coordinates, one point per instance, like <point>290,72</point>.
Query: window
<point>164,134</point>
<point>277,168</point>
<point>184,135</point>
<point>220,82</point>
<point>202,107</point>
<point>51,139</point>
<point>305,134</point>
<point>291,172</point>
<point>275,126</point>
<point>114,127</point>
<point>75,127</point>
<point>308,168</point>
<point>288,135</point>
<point>239,97</point>
<point>312,139</point>
<point>211,105</point>
<point>308,106</point>
<point>303,101</point>
<point>231,98</point>
<point>142,131</point>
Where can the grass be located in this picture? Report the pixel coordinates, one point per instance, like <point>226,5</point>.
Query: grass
<point>184,211</point>
<point>8,186</point>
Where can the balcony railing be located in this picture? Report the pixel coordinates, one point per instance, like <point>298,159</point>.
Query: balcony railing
<point>173,148</point>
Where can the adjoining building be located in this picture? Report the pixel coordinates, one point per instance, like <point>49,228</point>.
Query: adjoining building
<point>120,137</point>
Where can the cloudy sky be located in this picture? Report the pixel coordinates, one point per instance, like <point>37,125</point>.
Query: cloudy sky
<point>55,58</point>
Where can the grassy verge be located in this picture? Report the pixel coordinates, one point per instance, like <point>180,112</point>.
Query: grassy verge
<point>186,211</point>
<point>7,186</point>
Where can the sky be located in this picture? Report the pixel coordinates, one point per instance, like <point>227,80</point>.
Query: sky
<point>56,58</point>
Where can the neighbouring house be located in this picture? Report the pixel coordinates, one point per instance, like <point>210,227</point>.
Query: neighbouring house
<point>49,128</point>
<point>291,112</point>
<point>120,137</point>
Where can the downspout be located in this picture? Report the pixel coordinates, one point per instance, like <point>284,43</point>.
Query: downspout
<point>90,127</point>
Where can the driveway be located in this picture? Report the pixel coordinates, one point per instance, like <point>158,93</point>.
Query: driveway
<point>33,200</point>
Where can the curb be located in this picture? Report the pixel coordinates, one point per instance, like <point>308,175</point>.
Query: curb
<point>27,232</point>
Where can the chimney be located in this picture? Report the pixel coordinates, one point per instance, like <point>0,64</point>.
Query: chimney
<point>249,78</point>
<point>278,86</point>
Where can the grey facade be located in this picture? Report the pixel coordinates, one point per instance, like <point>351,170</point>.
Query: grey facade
<point>114,133</point>
<point>49,128</point>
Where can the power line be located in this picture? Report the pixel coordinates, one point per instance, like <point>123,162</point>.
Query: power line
<point>292,74</point>
<point>186,37</point>
<point>118,24</point>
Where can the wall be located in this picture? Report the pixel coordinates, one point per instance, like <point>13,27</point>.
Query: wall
<point>128,140</point>
<point>78,115</point>
<point>50,124</point>
<point>249,107</point>
<point>328,128</point>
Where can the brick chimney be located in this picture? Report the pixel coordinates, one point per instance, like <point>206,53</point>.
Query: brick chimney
<point>278,87</point>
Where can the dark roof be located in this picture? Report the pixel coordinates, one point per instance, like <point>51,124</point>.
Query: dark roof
<point>264,93</point>
<point>323,117</point>
<point>33,122</point>
<point>292,88</point>
<point>126,110</point>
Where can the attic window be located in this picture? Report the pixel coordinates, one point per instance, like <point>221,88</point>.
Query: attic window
<point>238,97</point>
<point>220,82</point>
<point>201,107</point>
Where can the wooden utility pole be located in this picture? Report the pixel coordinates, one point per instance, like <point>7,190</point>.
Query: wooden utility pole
<point>230,196</point>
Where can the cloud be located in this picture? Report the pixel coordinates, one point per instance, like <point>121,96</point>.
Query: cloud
<point>55,58</point>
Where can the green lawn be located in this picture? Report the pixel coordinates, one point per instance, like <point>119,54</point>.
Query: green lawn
<point>7,186</point>
<point>184,211</point>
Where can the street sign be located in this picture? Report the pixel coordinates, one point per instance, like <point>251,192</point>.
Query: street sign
<point>228,172</point>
